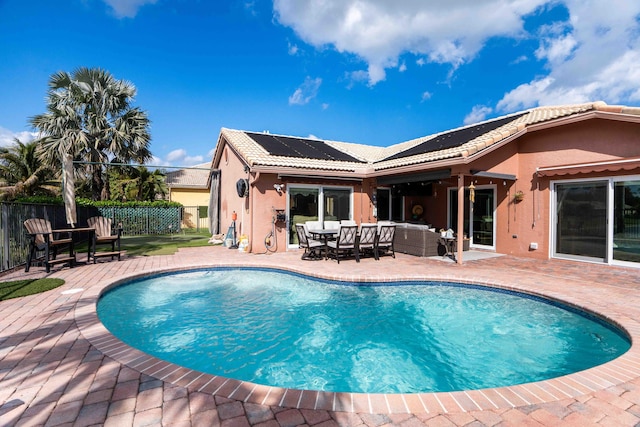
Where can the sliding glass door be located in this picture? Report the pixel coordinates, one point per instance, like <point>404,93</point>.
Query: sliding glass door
<point>581,219</point>
<point>317,203</point>
<point>479,216</point>
<point>597,220</point>
<point>626,221</point>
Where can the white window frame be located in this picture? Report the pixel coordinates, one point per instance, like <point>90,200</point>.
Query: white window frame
<point>553,200</point>
<point>321,189</point>
<point>454,190</point>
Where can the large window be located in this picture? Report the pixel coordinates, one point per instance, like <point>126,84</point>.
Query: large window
<point>626,221</point>
<point>581,219</point>
<point>314,203</point>
<point>337,204</point>
<point>389,205</point>
<point>597,220</point>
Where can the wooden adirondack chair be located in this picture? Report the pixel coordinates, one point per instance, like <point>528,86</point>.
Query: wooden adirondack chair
<point>104,235</point>
<point>41,238</point>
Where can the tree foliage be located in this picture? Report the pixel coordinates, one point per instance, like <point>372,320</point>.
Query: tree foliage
<point>89,115</point>
<point>138,183</point>
<point>22,173</point>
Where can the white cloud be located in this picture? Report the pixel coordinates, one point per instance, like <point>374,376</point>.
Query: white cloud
<point>525,96</point>
<point>157,161</point>
<point>557,50</point>
<point>250,7</point>
<point>478,113</point>
<point>179,157</point>
<point>356,77</point>
<point>306,92</point>
<point>403,67</point>
<point>192,160</point>
<point>379,31</point>
<point>175,155</point>
<point>127,8</point>
<point>293,49</point>
<point>7,137</point>
<point>521,58</point>
<point>593,56</point>
<point>426,96</point>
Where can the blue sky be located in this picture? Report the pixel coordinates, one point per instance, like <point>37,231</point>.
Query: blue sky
<point>375,72</point>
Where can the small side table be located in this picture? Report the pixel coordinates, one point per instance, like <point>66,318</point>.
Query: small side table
<point>449,244</point>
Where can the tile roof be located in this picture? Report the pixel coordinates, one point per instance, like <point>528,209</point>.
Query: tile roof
<point>419,150</point>
<point>254,154</point>
<point>196,177</point>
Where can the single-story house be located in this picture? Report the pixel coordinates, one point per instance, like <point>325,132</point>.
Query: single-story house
<point>190,187</point>
<point>557,181</point>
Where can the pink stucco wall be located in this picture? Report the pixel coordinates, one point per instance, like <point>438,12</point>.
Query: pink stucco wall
<point>517,224</point>
<point>256,212</point>
<point>232,169</point>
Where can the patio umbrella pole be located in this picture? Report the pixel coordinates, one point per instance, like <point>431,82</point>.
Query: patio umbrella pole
<point>68,190</point>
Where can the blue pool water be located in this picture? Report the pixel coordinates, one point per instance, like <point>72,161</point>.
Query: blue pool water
<point>287,330</point>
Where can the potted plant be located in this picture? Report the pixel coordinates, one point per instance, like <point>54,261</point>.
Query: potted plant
<point>518,197</point>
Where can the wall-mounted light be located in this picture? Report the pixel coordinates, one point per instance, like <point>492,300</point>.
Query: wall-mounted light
<point>279,188</point>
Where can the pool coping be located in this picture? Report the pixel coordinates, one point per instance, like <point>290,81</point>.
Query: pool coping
<point>618,371</point>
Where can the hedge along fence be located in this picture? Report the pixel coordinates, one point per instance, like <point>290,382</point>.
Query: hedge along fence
<point>141,220</point>
<point>144,220</point>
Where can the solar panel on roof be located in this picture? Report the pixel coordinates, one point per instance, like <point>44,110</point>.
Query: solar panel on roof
<point>298,147</point>
<point>454,138</point>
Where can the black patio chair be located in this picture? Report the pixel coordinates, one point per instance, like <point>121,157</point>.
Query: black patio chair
<point>386,234</point>
<point>367,239</point>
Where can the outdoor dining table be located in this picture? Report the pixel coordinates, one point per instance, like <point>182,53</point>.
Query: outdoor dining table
<point>324,235</point>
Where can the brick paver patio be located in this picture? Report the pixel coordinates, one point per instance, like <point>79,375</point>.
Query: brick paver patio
<point>59,366</point>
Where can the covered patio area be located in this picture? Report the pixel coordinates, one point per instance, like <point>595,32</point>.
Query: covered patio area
<point>59,366</point>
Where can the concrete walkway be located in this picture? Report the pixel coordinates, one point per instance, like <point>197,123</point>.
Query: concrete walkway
<point>59,366</point>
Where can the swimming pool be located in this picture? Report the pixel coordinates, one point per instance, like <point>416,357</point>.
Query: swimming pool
<point>288,330</point>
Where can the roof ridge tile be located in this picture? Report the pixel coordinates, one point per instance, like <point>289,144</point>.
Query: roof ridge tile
<point>383,157</point>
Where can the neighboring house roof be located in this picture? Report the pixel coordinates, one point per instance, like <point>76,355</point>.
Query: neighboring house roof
<point>266,151</point>
<point>196,177</point>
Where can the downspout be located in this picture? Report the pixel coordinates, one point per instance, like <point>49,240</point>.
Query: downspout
<point>361,190</point>
<point>460,226</point>
<point>251,185</point>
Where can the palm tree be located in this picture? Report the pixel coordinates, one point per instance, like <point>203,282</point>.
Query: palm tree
<point>89,115</point>
<point>22,173</point>
<point>139,184</point>
<point>151,185</point>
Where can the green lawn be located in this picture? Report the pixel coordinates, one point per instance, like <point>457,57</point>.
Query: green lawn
<point>165,244</point>
<point>21,288</point>
<point>162,244</point>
